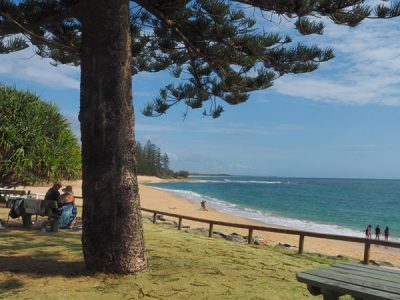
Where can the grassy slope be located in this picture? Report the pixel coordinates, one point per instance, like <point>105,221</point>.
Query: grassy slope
<point>39,265</point>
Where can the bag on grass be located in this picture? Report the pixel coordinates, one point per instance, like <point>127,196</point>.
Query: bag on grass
<point>15,211</point>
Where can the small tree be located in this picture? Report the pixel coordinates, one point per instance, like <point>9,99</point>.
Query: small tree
<point>36,142</point>
<point>165,171</point>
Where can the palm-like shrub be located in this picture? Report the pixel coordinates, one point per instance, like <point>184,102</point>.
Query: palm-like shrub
<point>36,142</point>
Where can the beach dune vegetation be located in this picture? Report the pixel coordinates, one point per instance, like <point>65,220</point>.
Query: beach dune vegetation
<point>36,141</point>
<point>222,51</point>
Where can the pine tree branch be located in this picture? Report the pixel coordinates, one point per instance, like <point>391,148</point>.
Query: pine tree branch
<point>26,31</point>
<point>299,9</point>
<point>296,7</point>
<point>175,27</point>
<point>270,5</point>
<point>72,12</point>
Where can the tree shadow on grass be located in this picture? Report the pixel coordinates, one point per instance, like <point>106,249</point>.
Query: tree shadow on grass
<point>9,285</point>
<point>17,240</point>
<point>42,267</point>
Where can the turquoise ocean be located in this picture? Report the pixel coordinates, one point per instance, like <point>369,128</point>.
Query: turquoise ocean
<point>339,206</point>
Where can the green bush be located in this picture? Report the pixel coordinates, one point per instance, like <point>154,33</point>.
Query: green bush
<point>36,142</point>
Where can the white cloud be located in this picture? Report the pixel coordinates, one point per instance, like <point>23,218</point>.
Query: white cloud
<point>249,129</point>
<point>204,163</point>
<point>25,65</point>
<point>232,129</point>
<point>363,146</point>
<point>366,69</point>
<point>155,128</point>
<point>289,127</point>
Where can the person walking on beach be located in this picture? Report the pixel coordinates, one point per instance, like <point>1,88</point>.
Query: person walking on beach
<point>377,232</point>
<point>386,233</point>
<point>203,205</point>
<point>368,232</point>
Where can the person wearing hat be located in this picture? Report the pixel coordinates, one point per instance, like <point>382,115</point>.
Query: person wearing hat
<point>68,196</point>
<point>69,211</point>
<point>53,192</point>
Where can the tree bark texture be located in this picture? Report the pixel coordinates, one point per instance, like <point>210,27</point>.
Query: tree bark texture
<point>112,225</point>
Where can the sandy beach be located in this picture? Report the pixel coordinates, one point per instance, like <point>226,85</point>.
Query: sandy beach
<point>156,199</point>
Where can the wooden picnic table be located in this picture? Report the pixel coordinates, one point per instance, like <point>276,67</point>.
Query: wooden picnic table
<point>11,191</point>
<point>357,280</point>
<point>38,207</point>
<point>6,193</point>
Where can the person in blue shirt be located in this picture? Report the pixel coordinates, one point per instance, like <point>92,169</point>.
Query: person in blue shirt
<point>69,211</point>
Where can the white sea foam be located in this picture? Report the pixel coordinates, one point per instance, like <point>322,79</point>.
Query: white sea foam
<point>252,181</point>
<point>267,217</point>
<point>236,181</point>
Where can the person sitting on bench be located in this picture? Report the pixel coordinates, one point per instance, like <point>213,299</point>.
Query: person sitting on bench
<point>69,211</point>
<point>53,193</point>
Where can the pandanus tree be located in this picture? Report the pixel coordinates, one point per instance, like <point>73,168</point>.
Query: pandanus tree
<point>36,141</point>
<point>223,50</point>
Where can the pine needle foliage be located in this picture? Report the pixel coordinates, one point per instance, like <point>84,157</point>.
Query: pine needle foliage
<point>36,142</point>
<point>221,50</point>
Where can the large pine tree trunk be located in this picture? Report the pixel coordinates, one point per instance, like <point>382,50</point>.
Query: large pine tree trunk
<point>112,226</point>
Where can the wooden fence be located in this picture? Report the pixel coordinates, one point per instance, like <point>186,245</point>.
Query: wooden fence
<point>302,234</point>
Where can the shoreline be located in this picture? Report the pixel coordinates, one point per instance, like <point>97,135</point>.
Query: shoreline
<point>157,199</point>
<point>162,200</point>
<point>264,217</point>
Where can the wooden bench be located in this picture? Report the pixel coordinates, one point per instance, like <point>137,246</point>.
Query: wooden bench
<point>359,281</point>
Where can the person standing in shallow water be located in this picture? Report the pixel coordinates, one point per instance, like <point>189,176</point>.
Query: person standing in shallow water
<point>377,232</point>
<point>368,232</point>
<point>386,233</point>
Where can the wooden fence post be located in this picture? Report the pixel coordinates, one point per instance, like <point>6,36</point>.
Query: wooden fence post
<point>301,243</point>
<point>302,234</point>
<point>154,218</point>
<point>180,224</point>
<point>366,252</point>
<point>250,236</point>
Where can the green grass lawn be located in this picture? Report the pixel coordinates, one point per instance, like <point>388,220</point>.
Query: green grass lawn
<point>41,265</point>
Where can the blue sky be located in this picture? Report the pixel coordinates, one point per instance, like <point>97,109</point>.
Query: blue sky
<point>342,120</point>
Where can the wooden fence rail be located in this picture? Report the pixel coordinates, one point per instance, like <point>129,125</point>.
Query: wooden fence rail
<point>302,234</point>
